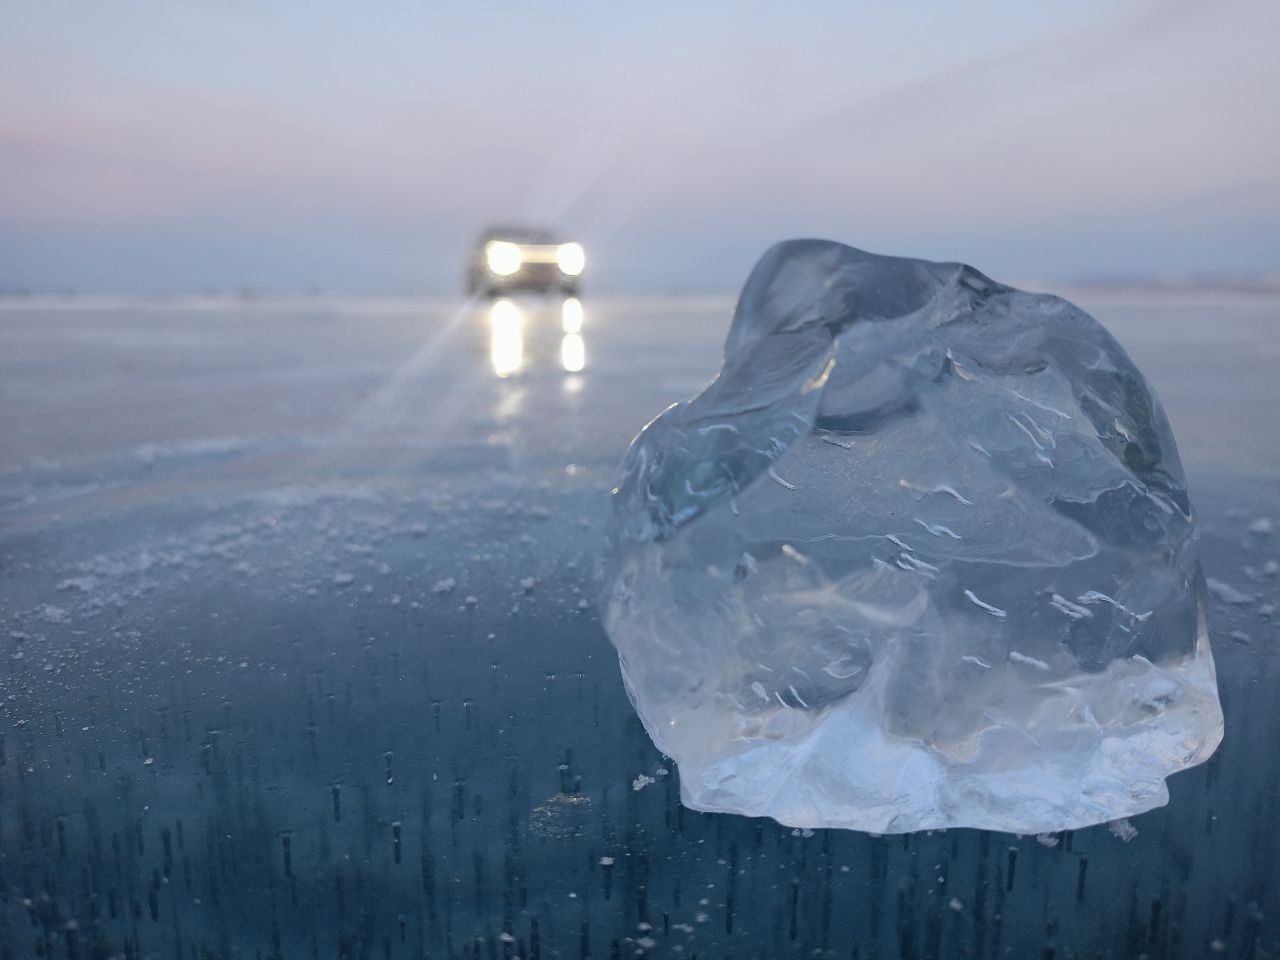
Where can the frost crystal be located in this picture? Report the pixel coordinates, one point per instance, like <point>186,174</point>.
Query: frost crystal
<point>920,556</point>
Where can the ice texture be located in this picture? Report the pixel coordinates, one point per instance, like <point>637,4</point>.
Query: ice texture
<point>920,556</point>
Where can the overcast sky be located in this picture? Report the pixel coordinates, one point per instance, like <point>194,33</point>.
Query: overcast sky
<point>159,146</point>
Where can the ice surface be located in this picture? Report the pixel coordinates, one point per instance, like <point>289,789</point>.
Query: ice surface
<point>920,556</point>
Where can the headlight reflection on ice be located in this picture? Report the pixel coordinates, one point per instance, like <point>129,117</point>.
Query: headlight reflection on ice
<point>573,352</point>
<point>571,315</point>
<point>506,338</point>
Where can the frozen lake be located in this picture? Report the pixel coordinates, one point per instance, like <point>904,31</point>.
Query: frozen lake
<point>299,655</point>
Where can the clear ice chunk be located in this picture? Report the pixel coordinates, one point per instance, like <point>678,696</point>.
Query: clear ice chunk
<point>920,556</point>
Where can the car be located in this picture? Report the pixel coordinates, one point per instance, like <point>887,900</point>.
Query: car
<point>510,259</point>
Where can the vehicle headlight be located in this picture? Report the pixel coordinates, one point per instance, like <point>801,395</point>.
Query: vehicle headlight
<point>502,257</point>
<point>571,258</point>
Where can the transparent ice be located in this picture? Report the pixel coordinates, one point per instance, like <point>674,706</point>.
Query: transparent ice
<point>921,556</point>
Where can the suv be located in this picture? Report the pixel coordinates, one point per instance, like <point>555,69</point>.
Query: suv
<point>507,259</point>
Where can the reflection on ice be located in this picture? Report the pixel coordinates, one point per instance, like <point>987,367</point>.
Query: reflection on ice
<point>571,315</point>
<point>573,349</point>
<point>506,337</point>
<point>511,352</point>
<point>573,352</point>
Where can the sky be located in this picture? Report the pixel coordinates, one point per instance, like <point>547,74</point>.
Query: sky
<point>149,147</point>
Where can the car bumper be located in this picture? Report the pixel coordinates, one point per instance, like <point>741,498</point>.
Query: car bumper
<point>540,277</point>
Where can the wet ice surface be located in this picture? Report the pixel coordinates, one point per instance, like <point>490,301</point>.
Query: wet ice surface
<point>248,708</point>
<point>921,556</point>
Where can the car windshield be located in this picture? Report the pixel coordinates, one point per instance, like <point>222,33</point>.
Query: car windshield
<point>519,235</point>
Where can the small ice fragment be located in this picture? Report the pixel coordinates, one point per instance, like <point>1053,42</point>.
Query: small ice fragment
<point>642,781</point>
<point>1123,829</point>
<point>994,611</point>
<point>343,579</point>
<point>1046,840</point>
<point>606,861</point>
<point>1262,527</point>
<point>1239,636</point>
<point>969,658</point>
<point>955,904</point>
<point>1017,657</point>
<point>527,584</point>
<point>446,585</point>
